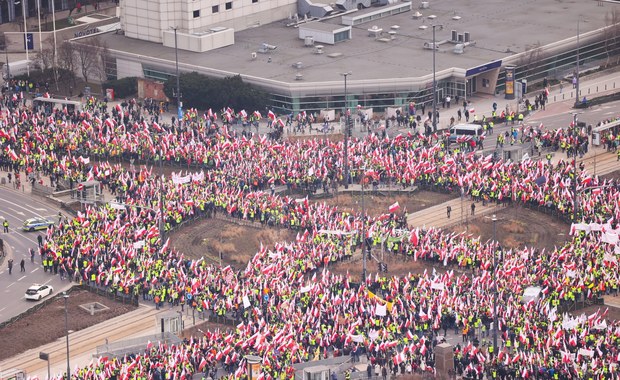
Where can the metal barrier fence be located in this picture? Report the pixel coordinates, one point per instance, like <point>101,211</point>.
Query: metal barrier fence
<point>136,345</point>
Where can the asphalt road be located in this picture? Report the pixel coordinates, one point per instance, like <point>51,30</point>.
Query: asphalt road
<point>16,206</point>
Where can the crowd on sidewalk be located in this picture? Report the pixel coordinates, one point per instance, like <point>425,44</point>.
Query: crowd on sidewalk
<point>290,307</point>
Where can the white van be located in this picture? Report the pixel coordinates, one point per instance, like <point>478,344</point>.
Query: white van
<point>463,130</point>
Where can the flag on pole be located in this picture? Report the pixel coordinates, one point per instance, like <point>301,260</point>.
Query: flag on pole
<point>394,207</point>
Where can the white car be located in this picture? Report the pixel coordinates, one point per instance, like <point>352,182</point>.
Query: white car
<point>37,292</point>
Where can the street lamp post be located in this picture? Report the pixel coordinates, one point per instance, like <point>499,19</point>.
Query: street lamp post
<point>66,297</point>
<point>363,228</point>
<point>434,118</point>
<point>577,69</point>
<point>162,226</point>
<point>494,219</point>
<point>178,94</point>
<point>25,35</point>
<point>346,132</point>
<point>575,135</point>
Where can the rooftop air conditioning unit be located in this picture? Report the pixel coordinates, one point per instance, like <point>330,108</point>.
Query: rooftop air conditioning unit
<point>454,36</point>
<point>467,37</point>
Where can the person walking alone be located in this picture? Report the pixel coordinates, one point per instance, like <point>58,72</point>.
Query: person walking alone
<point>10,266</point>
<point>22,266</point>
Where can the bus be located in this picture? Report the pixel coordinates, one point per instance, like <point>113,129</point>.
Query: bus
<point>48,105</point>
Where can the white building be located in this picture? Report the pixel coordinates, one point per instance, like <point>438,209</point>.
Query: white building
<point>202,25</point>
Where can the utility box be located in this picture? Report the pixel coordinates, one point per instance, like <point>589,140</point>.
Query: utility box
<point>319,372</point>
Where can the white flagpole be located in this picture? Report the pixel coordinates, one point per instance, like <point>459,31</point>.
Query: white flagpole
<point>55,50</point>
<point>40,33</point>
<point>25,35</point>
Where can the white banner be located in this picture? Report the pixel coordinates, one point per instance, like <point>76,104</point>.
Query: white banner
<point>373,335</point>
<point>181,180</point>
<point>381,310</point>
<point>357,338</point>
<point>306,289</point>
<point>610,237</point>
<point>437,286</point>
<point>138,244</point>
<point>246,302</point>
<point>198,177</point>
<point>585,352</point>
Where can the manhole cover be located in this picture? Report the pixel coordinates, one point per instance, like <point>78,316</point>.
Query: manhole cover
<point>94,307</point>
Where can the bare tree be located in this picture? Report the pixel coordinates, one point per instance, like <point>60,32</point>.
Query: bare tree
<point>612,36</point>
<point>45,57</point>
<point>88,57</point>
<point>67,58</point>
<point>531,59</point>
<point>100,69</point>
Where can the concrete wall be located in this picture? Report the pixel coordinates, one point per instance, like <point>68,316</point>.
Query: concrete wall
<point>148,19</point>
<point>199,43</point>
<point>15,40</point>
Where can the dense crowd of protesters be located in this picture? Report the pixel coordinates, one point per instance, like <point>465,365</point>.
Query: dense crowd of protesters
<point>291,308</point>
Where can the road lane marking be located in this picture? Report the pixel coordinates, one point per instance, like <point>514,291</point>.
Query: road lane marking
<point>11,284</point>
<point>17,212</point>
<point>34,270</point>
<point>21,278</point>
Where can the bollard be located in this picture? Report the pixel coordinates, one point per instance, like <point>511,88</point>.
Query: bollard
<point>596,88</point>
<point>605,87</point>
<point>588,91</point>
<point>92,310</point>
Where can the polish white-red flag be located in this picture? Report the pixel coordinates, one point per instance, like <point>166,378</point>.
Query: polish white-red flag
<point>414,238</point>
<point>394,207</point>
<point>271,115</point>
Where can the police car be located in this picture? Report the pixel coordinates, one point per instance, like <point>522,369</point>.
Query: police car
<point>34,224</point>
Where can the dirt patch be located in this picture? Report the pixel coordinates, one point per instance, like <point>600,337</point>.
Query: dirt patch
<point>613,175</point>
<point>234,244</point>
<point>376,205</point>
<point>518,227</point>
<point>48,323</point>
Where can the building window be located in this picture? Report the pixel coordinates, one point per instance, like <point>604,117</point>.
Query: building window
<point>197,13</point>
<point>215,9</point>
<point>229,5</point>
<point>254,1</point>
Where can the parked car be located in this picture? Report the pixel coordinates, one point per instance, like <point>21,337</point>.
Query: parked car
<point>34,224</point>
<point>37,292</point>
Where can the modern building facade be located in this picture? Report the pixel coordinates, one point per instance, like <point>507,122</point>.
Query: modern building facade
<point>388,50</point>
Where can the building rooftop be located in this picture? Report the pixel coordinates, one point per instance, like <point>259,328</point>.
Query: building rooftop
<point>500,28</point>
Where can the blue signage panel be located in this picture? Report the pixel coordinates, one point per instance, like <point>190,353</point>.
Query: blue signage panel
<point>28,41</point>
<point>483,68</point>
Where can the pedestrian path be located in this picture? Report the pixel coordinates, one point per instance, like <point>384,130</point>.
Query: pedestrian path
<point>461,213</point>
<point>83,344</point>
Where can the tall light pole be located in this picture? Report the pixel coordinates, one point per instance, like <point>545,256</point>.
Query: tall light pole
<point>434,118</point>
<point>346,131</point>
<point>55,45</point>
<point>66,297</point>
<point>363,228</point>
<point>39,19</point>
<point>575,146</point>
<point>162,225</point>
<point>25,35</point>
<point>577,72</point>
<point>494,219</point>
<point>178,94</point>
